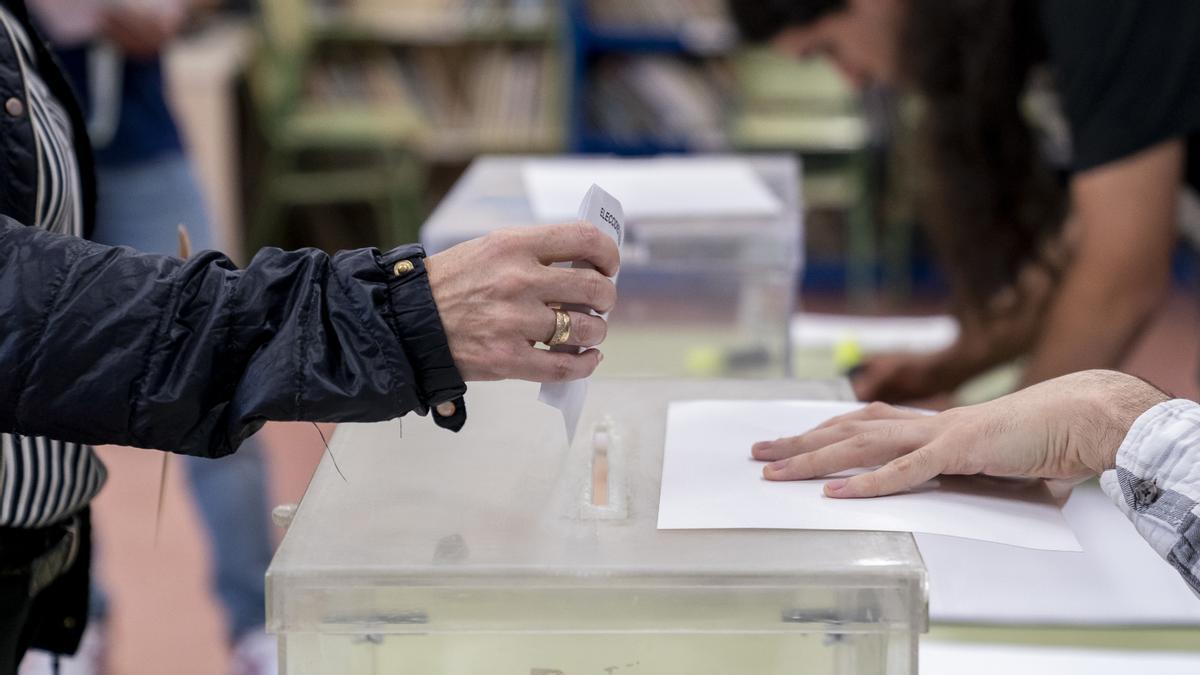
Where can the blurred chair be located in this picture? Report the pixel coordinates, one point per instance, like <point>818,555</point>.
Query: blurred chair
<point>387,174</point>
<point>806,106</point>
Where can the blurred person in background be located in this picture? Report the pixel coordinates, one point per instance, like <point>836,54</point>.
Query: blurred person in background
<point>1067,279</point>
<point>112,51</point>
<point>105,345</point>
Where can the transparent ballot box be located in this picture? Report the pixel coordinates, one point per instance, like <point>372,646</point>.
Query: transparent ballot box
<point>502,551</point>
<point>707,297</point>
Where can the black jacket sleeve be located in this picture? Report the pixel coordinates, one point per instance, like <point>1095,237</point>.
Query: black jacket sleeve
<point>107,345</point>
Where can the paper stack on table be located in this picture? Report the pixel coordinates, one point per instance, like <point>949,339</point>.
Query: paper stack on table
<point>920,334</point>
<point>604,212</point>
<point>650,189</point>
<point>710,481</point>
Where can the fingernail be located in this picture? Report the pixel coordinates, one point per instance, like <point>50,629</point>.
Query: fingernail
<point>777,466</point>
<point>834,486</point>
<point>599,357</point>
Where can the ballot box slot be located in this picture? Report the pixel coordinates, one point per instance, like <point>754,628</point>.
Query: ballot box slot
<point>600,467</point>
<point>601,457</point>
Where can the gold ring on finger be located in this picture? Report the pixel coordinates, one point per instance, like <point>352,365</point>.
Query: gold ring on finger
<point>562,329</point>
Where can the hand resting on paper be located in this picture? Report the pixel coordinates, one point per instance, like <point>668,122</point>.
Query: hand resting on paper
<point>1068,428</point>
<point>494,295</point>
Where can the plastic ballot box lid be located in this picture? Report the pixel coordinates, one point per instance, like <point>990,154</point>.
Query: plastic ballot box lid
<point>504,528</point>
<point>494,193</point>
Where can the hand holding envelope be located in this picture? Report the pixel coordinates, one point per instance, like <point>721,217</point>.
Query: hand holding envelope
<point>604,213</point>
<point>496,296</point>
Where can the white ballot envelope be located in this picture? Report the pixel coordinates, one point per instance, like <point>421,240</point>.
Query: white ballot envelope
<point>604,212</point>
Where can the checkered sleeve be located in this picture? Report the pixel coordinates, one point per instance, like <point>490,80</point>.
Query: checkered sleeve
<point>1157,483</point>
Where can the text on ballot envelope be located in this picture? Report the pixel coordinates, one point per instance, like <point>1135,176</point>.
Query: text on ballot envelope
<point>604,213</point>
<point>709,481</point>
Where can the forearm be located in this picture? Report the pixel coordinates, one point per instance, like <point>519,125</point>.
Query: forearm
<point>111,346</point>
<point>985,342</point>
<point>1156,483</point>
<point>1125,214</point>
<point>1094,320</point>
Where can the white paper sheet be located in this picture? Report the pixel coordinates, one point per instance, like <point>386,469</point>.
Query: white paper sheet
<point>710,482</point>
<point>1117,579</point>
<point>875,333</point>
<point>604,212</point>
<point>952,658</point>
<point>652,188</point>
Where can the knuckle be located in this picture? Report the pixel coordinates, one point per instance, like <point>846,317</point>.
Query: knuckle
<point>815,463</point>
<point>586,232</point>
<point>868,483</point>
<point>798,465</point>
<point>509,285</point>
<point>848,428</point>
<point>794,445</point>
<point>862,442</point>
<point>906,464</point>
<point>877,409</point>
<point>561,367</point>
<point>608,294</point>
<point>593,288</point>
<point>594,331</point>
<point>590,364</point>
<point>529,279</point>
<point>502,241</point>
<point>793,467</point>
<point>612,248</point>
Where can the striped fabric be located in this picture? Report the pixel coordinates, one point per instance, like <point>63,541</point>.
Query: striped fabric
<point>43,481</point>
<point>59,198</point>
<point>1157,483</point>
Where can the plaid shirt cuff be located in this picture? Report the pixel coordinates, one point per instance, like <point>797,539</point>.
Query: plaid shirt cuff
<point>1157,483</point>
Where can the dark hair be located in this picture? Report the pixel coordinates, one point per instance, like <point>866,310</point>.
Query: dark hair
<point>991,205</point>
<point>761,20</point>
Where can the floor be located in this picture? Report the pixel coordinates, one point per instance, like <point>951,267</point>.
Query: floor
<point>163,617</point>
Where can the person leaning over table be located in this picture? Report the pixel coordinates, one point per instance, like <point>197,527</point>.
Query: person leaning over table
<point>108,345</point>
<point>1069,282</point>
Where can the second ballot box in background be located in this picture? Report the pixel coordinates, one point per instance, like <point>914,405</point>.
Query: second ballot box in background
<point>711,258</point>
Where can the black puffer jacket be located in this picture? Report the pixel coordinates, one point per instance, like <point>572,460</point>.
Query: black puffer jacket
<point>107,345</point>
<point>104,345</point>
